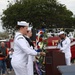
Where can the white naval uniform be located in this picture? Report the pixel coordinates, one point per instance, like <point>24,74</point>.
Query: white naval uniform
<point>20,55</point>
<point>66,49</point>
<point>30,65</point>
<point>31,58</point>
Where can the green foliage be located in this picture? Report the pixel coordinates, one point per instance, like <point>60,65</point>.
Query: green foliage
<point>39,13</point>
<point>43,45</point>
<point>4,35</point>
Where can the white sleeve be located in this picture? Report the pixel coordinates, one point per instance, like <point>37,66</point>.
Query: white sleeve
<point>23,45</point>
<point>66,45</point>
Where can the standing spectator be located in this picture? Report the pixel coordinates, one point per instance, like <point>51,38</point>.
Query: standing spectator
<point>3,57</point>
<point>10,57</point>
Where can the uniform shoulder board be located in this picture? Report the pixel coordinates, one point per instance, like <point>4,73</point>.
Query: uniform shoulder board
<point>20,38</point>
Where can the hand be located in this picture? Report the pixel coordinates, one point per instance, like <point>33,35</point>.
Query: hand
<point>42,53</point>
<point>6,57</point>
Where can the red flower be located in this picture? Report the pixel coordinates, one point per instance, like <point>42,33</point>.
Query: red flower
<point>40,39</point>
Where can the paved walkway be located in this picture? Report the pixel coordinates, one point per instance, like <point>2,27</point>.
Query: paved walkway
<point>11,73</point>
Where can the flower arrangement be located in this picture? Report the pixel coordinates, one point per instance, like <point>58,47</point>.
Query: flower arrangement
<point>42,44</point>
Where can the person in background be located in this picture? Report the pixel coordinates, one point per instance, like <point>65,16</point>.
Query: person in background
<point>64,46</point>
<point>22,50</point>
<point>3,57</point>
<point>10,57</point>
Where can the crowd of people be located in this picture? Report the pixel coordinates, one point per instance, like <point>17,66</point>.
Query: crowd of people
<point>5,58</point>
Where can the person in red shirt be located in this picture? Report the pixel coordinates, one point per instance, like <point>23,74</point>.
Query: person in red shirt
<point>3,57</point>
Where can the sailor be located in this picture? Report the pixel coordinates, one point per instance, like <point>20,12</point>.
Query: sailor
<point>64,45</point>
<point>30,57</point>
<point>22,50</point>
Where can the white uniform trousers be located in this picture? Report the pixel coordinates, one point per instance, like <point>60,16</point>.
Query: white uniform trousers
<point>68,61</point>
<point>30,65</point>
<point>20,70</point>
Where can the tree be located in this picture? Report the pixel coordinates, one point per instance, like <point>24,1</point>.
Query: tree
<point>4,35</point>
<point>39,13</point>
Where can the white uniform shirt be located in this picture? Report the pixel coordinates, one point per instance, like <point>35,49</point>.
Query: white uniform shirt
<point>65,48</point>
<point>21,51</point>
<point>30,68</point>
<point>10,54</point>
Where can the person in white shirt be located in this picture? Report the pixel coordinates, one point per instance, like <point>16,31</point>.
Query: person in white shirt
<point>22,50</point>
<point>64,46</point>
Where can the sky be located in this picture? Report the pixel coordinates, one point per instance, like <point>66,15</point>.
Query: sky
<point>3,6</point>
<point>70,4</point>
